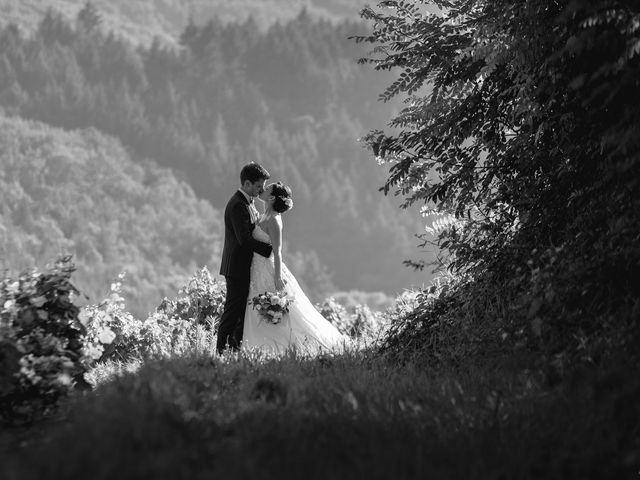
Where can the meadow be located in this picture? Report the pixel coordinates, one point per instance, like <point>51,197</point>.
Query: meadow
<point>361,414</point>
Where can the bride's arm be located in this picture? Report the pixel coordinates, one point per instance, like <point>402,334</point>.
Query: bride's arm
<point>275,233</point>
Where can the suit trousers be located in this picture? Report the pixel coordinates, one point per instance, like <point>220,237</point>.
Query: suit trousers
<point>232,321</point>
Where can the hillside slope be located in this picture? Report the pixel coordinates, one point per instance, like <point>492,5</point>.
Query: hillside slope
<point>292,98</point>
<point>79,192</point>
<point>143,20</point>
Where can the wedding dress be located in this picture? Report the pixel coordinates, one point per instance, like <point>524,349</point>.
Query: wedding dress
<point>303,329</point>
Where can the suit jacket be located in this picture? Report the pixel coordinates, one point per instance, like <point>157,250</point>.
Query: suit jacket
<point>239,243</point>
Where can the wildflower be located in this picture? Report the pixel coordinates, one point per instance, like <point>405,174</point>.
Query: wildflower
<point>106,336</point>
<point>93,351</point>
<point>64,379</point>
<point>83,317</point>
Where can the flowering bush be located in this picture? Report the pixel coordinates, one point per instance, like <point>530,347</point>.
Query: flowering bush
<point>200,300</point>
<point>271,306</point>
<point>366,324</point>
<point>161,335</point>
<point>112,332</point>
<point>335,313</point>
<point>176,326</point>
<point>362,323</point>
<point>42,353</point>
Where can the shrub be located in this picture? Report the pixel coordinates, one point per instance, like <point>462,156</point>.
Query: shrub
<point>452,320</point>
<point>335,313</point>
<point>362,324</point>
<point>42,342</point>
<point>201,300</point>
<point>112,330</point>
<point>189,321</point>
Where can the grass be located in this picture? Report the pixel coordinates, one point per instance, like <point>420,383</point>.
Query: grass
<point>355,415</point>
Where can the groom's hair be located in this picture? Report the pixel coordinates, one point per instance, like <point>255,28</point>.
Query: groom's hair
<point>253,172</point>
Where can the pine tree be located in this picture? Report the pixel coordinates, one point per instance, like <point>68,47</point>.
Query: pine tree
<point>89,18</point>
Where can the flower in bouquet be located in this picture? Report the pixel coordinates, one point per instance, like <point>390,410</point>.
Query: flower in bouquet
<point>271,306</point>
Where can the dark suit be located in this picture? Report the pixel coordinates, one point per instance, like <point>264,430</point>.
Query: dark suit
<point>237,254</point>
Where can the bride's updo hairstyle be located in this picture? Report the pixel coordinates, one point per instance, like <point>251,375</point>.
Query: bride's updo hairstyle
<point>283,201</point>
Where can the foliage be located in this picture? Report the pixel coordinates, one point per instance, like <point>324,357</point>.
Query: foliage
<point>115,331</point>
<point>148,20</point>
<point>363,324</point>
<point>453,321</point>
<point>290,97</point>
<point>335,313</point>
<point>177,326</point>
<point>521,122</point>
<point>370,417</point>
<point>43,352</point>
<point>201,300</point>
<point>82,193</point>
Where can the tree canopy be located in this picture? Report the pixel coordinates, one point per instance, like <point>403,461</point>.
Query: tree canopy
<point>521,122</point>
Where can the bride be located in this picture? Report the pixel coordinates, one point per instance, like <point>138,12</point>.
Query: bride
<point>303,328</point>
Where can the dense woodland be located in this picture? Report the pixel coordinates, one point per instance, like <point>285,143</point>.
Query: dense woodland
<point>143,20</point>
<point>292,98</point>
<point>80,192</point>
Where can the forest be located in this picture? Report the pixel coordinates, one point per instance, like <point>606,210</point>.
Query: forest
<point>289,97</point>
<point>143,20</point>
<point>80,192</point>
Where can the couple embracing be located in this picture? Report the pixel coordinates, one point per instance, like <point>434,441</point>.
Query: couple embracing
<point>252,265</point>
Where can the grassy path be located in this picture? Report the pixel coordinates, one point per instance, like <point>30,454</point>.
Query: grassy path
<point>355,416</point>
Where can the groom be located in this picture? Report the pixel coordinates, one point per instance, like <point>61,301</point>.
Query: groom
<point>240,217</point>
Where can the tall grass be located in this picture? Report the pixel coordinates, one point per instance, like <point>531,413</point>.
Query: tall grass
<point>355,415</point>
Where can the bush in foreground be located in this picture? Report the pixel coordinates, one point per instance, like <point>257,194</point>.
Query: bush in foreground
<point>43,348</point>
<point>184,324</point>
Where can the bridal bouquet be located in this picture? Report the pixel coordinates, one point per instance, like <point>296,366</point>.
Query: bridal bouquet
<point>271,306</point>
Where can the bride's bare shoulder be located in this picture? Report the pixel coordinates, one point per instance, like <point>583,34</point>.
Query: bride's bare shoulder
<point>273,224</point>
<point>275,221</point>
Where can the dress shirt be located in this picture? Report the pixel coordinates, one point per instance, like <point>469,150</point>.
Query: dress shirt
<point>255,215</point>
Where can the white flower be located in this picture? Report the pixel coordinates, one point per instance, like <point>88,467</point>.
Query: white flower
<point>64,379</point>
<point>106,336</point>
<point>9,304</point>
<point>83,317</point>
<point>94,351</point>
